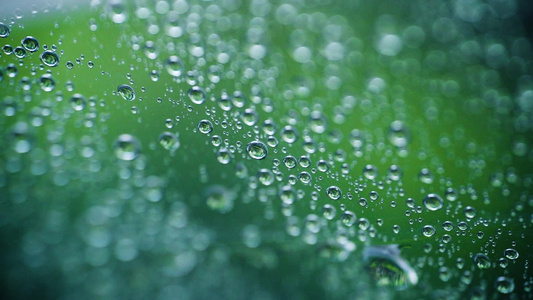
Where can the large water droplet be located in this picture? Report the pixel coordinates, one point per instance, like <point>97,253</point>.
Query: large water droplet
<point>334,192</point>
<point>4,30</point>
<point>196,94</point>
<point>481,261</point>
<point>126,92</point>
<point>433,202</point>
<point>30,43</point>
<point>169,141</point>
<point>388,268</point>
<point>174,66</point>
<point>127,147</point>
<point>504,285</point>
<point>205,126</point>
<point>257,150</point>
<point>49,58</point>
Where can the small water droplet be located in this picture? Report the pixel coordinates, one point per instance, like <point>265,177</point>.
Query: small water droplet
<point>126,92</point>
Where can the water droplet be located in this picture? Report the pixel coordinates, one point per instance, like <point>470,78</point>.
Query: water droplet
<point>470,212</point>
<point>370,172</point>
<point>169,141</point>
<point>504,285</point>
<point>30,43</point>
<point>223,156</point>
<point>287,195</point>
<point>348,218</point>
<point>397,134</point>
<point>322,165</point>
<point>428,230</point>
<point>220,199</point>
<point>196,94</point>
<point>289,161</point>
<point>19,52</point>
<point>447,225</point>
<point>328,211</point>
<point>511,253</point>
<point>205,126</point>
<point>257,150</point>
<point>289,134</point>
<point>78,102</point>
<point>304,162</point>
<point>239,99</point>
<point>11,70</point>
<point>395,173</point>
<point>425,176</point>
<point>304,177</point>
<point>8,50</point>
<point>265,176</point>
<point>462,225</point>
<point>126,92</point>
<point>20,139</point>
<point>334,192</point>
<point>47,83</point>
<point>50,59</point>
<point>249,117</point>
<point>225,102</point>
<point>481,261</point>
<point>4,30</point>
<point>451,194</point>
<point>174,66</point>
<point>127,147</point>
<point>433,202</point>
<point>388,268</point>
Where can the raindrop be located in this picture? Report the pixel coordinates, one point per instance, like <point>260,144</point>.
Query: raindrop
<point>265,176</point>
<point>50,59</point>
<point>127,147</point>
<point>19,52</point>
<point>169,141</point>
<point>78,102</point>
<point>289,134</point>
<point>20,139</point>
<point>388,268</point>
<point>205,126</point>
<point>223,156</point>
<point>428,230</point>
<point>370,172</point>
<point>289,161</point>
<point>30,43</point>
<point>334,192</point>
<point>218,198</point>
<point>174,66</point>
<point>8,50</point>
<point>447,225</point>
<point>4,30</point>
<point>257,150</point>
<point>504,285</point>
<point>126,92</point>
<point>196,94</point>
<point>348,218</point>
<point>47,83</point>
<point>481,261</point>
<point>433,202</point>
<point>397,134</point>
<point>328,211</point>
<point>511,253</point>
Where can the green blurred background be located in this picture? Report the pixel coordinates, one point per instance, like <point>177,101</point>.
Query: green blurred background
<point>442,90</point>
